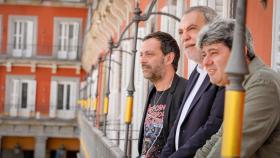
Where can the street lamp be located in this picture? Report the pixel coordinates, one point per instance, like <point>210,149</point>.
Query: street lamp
<point>95,103</point>
<point>106,99</point>
<point>234,102</point>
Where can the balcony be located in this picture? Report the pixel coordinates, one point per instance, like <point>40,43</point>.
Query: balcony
<point>42,54</point>
<point>76,3</point>
<point>93,141</point>
<point>35,126</point>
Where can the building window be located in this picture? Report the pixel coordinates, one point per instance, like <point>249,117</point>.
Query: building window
<point>63,97</point>
<point>20,96</point>
<point>233,4</point>
<point>275,57</point>
<point>24,92</point>
<point>168,24</point>
<point>67,35</point>
<point>22,35</point>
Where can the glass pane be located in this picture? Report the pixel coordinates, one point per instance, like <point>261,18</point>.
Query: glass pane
<point>71,38</point>
<point>60,96</point>
<point>233,5</point>
<point>15,35</point>
<point>65,45</point>
<point>59,36</point>
<point>20,36</point>
<point>65,38</point>
<point>71,31</point>
<point>14,42</point>
<point>68,98</point>
<point>25,35</point>
<point>24,95</point>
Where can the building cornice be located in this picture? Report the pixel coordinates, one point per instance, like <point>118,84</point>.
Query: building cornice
<point>107,18</point>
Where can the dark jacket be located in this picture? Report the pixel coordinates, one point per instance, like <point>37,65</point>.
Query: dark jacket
<point>173,103</point>
<point>203,119</point>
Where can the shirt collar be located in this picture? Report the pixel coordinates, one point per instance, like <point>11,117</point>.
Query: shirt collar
<point>200,70</point>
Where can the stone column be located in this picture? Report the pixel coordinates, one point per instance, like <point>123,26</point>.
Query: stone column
<point>40,147</point>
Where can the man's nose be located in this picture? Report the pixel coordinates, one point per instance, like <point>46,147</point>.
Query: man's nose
<point>206,61</point>
<point>142,59</point>
<point>185,36</point>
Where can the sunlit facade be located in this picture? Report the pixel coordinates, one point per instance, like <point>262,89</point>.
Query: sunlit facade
<point>40,69</point>
<point>54,56</point>
<point>109,21</point>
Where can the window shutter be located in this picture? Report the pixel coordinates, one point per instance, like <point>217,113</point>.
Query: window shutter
<point>29,38</point>
<point>164,20</point>
<point>73,96</point>
<point>14,97</point>
<point>275,57</point>
<point>31,100</point>
<point>218,6</point>
<point>17,38</point>
<point>53,102</point>
<point>171,22</point>
<point>62,41</point>
<point>74,41</point>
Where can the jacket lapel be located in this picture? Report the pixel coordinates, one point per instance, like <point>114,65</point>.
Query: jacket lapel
<point>192,80</point>
<point>141,132</point>
<point>205,84</point>
<point>168,104</point>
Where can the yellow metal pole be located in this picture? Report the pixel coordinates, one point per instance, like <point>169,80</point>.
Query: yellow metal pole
<point>232,134</point>
<point>128,109</point>
<point>88,103</point>
<point>234,102</point>
<point>106,105</point>
<point>95,104</point>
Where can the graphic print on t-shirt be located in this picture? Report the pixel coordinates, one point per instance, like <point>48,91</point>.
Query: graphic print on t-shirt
<point>153,137</point>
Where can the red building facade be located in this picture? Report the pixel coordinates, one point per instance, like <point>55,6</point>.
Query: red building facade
<point>40,69</point>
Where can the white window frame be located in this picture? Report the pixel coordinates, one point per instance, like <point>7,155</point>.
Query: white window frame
<point>74,92</point>
<point>180,6</point>
<point>168,24</point>
<point>31,47</point>
<point>275,56</point>
<point>65,22</point>
<point>14,95</point>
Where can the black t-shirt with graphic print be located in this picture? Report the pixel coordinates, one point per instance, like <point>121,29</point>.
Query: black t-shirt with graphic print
<point>153,141</point>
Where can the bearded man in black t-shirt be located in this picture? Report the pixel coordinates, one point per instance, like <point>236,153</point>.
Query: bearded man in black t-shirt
<point>159,56</point>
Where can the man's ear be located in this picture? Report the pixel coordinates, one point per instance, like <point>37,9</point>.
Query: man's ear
<point>247,56</point>
<point>169,58</point>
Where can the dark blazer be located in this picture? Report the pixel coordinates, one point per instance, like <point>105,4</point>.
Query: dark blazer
<point>203,119</point>
<point>173,103</point>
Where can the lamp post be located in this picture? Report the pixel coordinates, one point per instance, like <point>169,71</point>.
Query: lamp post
<point>88,102</point>
<point>106,100</point>
<point>234,102</point>
<point>91,82</point>
<point>95,103</point>
<point>130,89</point>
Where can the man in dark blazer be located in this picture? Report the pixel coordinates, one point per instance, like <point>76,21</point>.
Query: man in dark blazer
<point>159,56</point>
<point>201,112</point>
